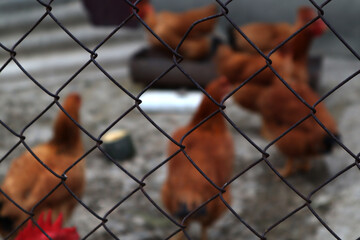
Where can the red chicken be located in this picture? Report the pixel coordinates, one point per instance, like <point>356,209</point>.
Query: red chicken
<point>210,146</point>
<point>266,36</point>
<point>54,230</point>
<point>171,27</point>
<point>280,110</point>
<point>239,66</point>
<point>27,182</point>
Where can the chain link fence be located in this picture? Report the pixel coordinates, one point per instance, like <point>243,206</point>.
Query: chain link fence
<point>224,7</point>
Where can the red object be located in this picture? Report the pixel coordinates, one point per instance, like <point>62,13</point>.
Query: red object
<point>53,229</point>
<point>144,8</point>
<point>320,28</point>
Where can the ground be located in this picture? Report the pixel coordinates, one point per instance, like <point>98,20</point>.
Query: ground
<point>259,197</point>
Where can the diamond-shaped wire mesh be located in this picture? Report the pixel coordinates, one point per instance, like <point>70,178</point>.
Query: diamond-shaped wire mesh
<point>140,184</point>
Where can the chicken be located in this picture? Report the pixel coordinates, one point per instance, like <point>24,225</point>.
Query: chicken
<point>52,229</point>
<point>211,148</point>
<point>266,36</point>
<point>27,182</point>
<point>238,67</point>
<point>281,109</point>
<point>171,27</point>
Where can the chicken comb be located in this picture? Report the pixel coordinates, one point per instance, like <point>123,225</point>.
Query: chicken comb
<point>144,8</point>
<point>307,14</point>
<point>52,229</point>
<point>318,27</point>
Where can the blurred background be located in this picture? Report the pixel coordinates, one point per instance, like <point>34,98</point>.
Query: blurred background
<point>52,57</point>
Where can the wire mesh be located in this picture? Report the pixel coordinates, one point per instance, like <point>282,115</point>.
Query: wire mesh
<point>223,12</point>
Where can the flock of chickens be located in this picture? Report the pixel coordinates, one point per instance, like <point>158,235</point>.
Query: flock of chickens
<point>202,148</point>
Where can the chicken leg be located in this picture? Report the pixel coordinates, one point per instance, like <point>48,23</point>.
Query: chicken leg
<point>305,165</point>
<point>288,169</point>
<point>203,233</point>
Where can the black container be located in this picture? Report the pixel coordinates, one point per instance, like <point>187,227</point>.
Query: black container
<point>150,63</point>
<point>119,145</point>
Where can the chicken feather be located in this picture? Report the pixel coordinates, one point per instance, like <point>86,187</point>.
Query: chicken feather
<point>211,148</point>
<point>27,182</point>
<point>171,28</point>
<point>281,109</point>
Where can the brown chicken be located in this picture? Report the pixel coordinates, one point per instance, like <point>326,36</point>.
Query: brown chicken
<point>171,27</point>
<point>28,182</point>
<point>211,148</point>
<point>281,109</point>
<point>238,67</point>
<point>266,36</point>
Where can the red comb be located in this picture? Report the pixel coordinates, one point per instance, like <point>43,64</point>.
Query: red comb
<point>144,8</point>
<point>54,230</point>
<point>318,28</point>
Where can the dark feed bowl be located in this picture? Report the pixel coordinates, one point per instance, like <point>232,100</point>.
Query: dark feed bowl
<point>148,64</point>
<point>118,144</point>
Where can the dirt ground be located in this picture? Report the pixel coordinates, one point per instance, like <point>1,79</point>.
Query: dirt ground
<point>258,196</point>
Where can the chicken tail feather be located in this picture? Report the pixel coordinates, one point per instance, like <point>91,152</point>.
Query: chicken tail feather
<point>7,224</point>
<point>184,210</point>
<point>65,130</point>
<point>231,36</point>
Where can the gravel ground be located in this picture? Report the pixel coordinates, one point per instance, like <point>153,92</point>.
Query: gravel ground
<point>258,196</point>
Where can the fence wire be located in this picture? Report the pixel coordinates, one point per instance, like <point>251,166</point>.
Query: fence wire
<point>224,10</point>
